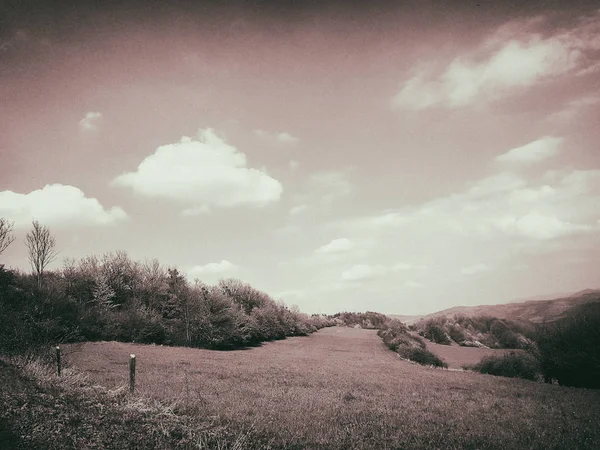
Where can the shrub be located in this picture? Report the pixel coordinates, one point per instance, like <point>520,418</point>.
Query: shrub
<point>512,365</point>
<point>422,356</point>
<point>435,333</point>
<point>568,349</point>
<point>396,337</point>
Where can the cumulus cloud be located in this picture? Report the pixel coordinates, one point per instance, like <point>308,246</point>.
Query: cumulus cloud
<point>475,269</point>
<point>559,204</point>
<point>90,121</point>
<point>211,269</point>
<point>282,138</point>
<point>57,205</point>
<point>363,272</point>
<point>336,246</point>
<point>532,152</point>
<point>201,173</point>
<point>489,72</point>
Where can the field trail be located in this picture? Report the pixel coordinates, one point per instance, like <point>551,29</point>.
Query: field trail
<point>342,388</point>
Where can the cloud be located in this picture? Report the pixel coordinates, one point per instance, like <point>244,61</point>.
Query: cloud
<point>282,138</point>
<point>366,271</point>
<point>559,204</point>
<point>331,185</point>
<point>489,72</point>
<point>298,209</point>
<point>294,165</point>
<point>90,121</point>
<point>336,246</point>
<point>57,205</point>
<point>475,269</point>
<point>363,272</point>
<point>575,107</point>
<point>413,284</point>
<point>200,174</point>
<point>211,269</point>
<point>535,225</point>
<point>532,152</point>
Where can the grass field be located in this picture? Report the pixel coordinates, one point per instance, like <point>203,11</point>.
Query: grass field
<point>342,388</point>
<point>456,356</point>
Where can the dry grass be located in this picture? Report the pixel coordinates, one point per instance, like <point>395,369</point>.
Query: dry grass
<point>456,356</point>
<point>342,388</point>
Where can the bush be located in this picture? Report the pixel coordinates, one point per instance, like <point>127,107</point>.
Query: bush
<point>422,356</point>
<point>568,350</point>
<point>436,333</point>
<point>512,365</point>
<point>396,337</point>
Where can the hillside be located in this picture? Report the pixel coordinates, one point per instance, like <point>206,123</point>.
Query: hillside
<point>536,311</point>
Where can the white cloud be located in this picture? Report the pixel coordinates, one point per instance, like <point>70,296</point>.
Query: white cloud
<point>196,211</point>
<point>366,271</point>
<point>336,246</point>
<point>90,121</point>
<point>287,138</point>
<point>283,137</point>
<point>413,284</point>
<point>574,107</point>
<point>298,209</point>
<point>202,173</point>
<point>504,204</point>
<point>211,269</point>
<point>489,72</point>
<point>539,226</point>
<point>330,185</point>
<point>475,269</point>
<point>56,205</point>
<point>363,271</point>
<point>532,152</point>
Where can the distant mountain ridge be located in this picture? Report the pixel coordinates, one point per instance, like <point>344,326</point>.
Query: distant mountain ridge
<point>535,309</point>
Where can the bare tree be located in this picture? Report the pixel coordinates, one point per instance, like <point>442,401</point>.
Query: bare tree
<point>42,249</point>
<point>6,236</point>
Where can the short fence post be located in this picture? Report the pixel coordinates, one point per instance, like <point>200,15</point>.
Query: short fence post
<point>58,359</point>
<point>131,373</point>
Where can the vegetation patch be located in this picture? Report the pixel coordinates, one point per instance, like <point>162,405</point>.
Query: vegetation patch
<point>482,331</point>
<point>511,364</point>
<point>397,337</point>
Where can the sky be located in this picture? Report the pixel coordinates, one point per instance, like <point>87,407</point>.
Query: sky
<point>400,157</point>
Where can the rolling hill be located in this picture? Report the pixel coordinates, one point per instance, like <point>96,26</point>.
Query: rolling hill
<point>536,311</point>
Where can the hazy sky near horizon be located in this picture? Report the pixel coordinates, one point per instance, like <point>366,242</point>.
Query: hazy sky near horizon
<point>398,157</point>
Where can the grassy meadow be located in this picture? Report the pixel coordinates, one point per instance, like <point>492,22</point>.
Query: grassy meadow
<point>456,356</point>
<point>342,388</point>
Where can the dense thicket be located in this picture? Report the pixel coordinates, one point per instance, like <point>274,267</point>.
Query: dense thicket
<point>114,298</point>
<point>369,319</point>
<point>480,331</point>
<point>569,349</point>
<point>398,339</point>
<point>511,364</point>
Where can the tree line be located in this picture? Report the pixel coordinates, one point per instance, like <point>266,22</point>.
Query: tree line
<point>112,297</point>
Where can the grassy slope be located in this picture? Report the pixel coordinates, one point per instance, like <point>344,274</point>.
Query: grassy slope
<point>41,411</point>
<point>342,388</point>
<point>536,311</point>
<point>456,356</point>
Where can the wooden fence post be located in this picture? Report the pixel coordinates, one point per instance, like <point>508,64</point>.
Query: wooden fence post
<point>131,373</point>
<point>58,359</point>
